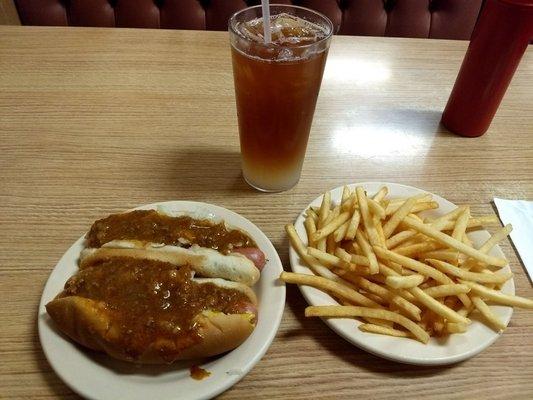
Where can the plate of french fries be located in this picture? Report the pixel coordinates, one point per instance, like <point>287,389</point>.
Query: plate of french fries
<point>403,273</point>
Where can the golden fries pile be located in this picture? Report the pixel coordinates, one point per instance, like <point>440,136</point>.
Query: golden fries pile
<point>400,274</point>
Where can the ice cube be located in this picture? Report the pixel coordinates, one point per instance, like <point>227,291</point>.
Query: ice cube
<point>285,54</point>
<point>285,29</point>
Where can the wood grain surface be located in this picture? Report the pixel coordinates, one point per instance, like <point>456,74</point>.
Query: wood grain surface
<point>95,121</point>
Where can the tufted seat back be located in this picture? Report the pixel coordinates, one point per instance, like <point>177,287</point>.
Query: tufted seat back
<point>444,19</point>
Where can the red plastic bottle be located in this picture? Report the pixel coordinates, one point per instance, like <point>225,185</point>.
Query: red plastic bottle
<point>499,40</point>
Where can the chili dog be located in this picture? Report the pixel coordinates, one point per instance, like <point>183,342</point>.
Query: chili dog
<point>154,289</point>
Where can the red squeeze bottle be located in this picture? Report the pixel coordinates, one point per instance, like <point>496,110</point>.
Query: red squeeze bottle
<point>499,40</point>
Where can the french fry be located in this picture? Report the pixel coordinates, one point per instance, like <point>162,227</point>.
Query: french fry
<point>414,265</point>
<point>487,246</point>
<point>421,268</point>
<point>446,290</point>
<point>331,245</point>
<point>417,239</point>
<point>383,330</point>
<point>393,298</point>
<point>484,309</point>
<point>343,254</point>
<point>460,224</point>
<point>415,216</point>
<point>355,269</point>
<point>345,194</point>
<point>421,198</point>
<point>396,203</point>
<point>392,266</point>
<point>388,271</point>
<point>398,217</point>
<point>367,251</point>
<point>311,213</point>
<point>310,228</point>
<point>359,260</point>
<point>311,262</point>
<point>438,224</point>
<point>334,213</point>
<point>404,282</point>
<point>498,297</point>
<point>450,269</point>
<point>335,261</point>
<point>456,327</point>
<point>354,311</point>
<point>379,229</point>
<point>380,195</point>
<point>351,258</point>
<point>376,208</point>
<point>407,296</point>
<point>324,257</point>
<point>413,249</point>
<point>443,255</point>
<point>447,218</point>
<point>341,231</point>
<point>477,222</point>
<point>400,237</point>
<point>322,244</point>
<point>466,240</point>
<point>324,209</point>
<point>365,216</point>
<point>496,238</point>
<point>350,203</point>
<point>418,207</point>
<point>353,225</point>
<point>371,296</point>
<point>356,248</point>
<point>465,311</point>
<point>437,307</point>
<point>335,288</point>
<point>330,227</point>
<point>379,322</point>
<point>453,243</point>
<point>352,278</point>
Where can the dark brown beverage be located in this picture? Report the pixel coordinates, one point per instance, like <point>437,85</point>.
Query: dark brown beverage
<point>276,88</point>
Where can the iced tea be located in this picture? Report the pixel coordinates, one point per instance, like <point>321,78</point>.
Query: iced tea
<point>276,88</point>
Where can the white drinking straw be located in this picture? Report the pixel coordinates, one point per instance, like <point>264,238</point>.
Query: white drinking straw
<point>266,22</point>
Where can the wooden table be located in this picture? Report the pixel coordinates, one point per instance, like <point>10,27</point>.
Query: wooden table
<point>95,121</point>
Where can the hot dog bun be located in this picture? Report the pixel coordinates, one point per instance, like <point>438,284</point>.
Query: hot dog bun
<point>88,323</point>
<point>98,325</point>
<point>206,262</point>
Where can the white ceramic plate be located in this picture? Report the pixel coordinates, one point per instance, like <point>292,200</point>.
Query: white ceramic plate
<point>97,376</point>
<point>449,350</point>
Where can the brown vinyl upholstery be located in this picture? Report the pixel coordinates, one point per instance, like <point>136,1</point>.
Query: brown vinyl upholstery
<point>444,19</point>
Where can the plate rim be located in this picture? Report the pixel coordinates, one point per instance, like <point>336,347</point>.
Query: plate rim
<point>428,361</point>
<point>229,379</point>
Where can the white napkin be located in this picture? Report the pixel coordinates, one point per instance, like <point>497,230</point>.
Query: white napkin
<point>519,213</point>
